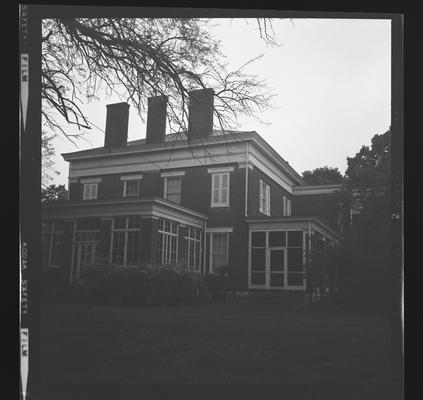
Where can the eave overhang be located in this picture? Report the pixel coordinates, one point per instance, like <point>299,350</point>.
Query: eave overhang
<point>303,223</point>
<point>154,207</point>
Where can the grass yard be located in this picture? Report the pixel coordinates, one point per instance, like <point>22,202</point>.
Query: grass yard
<point>213,343</point>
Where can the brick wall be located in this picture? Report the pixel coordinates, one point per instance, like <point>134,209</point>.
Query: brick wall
<point>276,194</point>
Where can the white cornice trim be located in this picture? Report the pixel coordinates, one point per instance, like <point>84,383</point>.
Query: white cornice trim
<point>315,189</point>
<point>259,163</point>
<point>220,169</point>
<point>293,223</point>
<point>216,146</point>
<point>172,173</point>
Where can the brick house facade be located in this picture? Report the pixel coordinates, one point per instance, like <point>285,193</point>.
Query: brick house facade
<point>200,199</point>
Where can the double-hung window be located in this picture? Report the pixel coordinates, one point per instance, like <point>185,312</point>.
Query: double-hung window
<point>286,211</point>
<point>126,241</point>
<point>167,245</point>
<point>131,185</point>
<point>264,196</point>
<point>172,185</point>
<point>90,188</point>
<point>219,249</point>
<point>192,248</point>
<point>52,243</point>
<point>220,186</point>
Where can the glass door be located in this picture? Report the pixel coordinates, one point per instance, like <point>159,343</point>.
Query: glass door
<point>276,268</point>
<point>84,254</point>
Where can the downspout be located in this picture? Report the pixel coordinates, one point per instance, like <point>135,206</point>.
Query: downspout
<point>204,246</point>
<point>246,179</point>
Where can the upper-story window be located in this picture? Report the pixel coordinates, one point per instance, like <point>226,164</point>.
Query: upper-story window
<point>90,190</point>
<point>131,185</point>
<point>172,185</point>
<point>264,198</point>
<point>220,185</point>
<point>286,207</point>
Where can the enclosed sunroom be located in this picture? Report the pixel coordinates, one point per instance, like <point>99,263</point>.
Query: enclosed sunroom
<point>278,249</point>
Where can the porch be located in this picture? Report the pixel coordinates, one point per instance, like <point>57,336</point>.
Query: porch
<point>278,250</point>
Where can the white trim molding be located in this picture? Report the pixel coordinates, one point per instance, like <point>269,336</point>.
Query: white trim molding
<point>91,180</point>
<point>220,169</point>
<point>172,173</point>
<point>130,177</point>
<point>220,229</point>
<point>315,189</point>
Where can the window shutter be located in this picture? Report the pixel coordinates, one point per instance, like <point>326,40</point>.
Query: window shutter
<point>93,191</point>
<point>267,199</point>
<point>284,209</point>
<point>215,188</point>
<point>224,192</point>
<point>261,195</point>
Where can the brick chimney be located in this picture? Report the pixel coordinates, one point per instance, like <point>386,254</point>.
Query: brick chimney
<point>116,125</point>
<point>156,119</point>
<point>200,113</point>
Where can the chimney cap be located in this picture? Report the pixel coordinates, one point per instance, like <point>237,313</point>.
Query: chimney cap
<point>118,105</point>
<point>203,90</point>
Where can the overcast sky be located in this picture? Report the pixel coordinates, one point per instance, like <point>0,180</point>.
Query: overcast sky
<point>332,80</point>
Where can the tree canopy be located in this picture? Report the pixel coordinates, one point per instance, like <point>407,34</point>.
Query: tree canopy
<point>53,193</point>
<point>322,176</point>
<point>370,168</point>
<point>139,58</point>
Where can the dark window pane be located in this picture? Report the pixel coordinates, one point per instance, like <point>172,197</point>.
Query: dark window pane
<point>276,280</point>
<point>277,260</point>
<point>58,226</point>
<point>258,259</point>
<point>258,278</point>
<point>277,239</point>
<point>295,239</point>
<point>45,247</point>
<point>46,226</point>
<point>295,279</point>
<point>56,250</point>
<point>295,259</point>
<point>258,239</point>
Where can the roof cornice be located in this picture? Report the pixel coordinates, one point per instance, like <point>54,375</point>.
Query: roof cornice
<point>251,136</point>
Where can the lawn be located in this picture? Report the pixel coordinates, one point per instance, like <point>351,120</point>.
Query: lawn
<point>213,343</point>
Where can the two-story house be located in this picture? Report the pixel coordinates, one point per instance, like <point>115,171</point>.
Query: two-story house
<point>201,199</point>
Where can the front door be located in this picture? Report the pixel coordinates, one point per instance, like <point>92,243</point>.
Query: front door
<point>275,270</point>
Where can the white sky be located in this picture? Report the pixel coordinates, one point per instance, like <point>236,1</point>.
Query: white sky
<point>331,77</point>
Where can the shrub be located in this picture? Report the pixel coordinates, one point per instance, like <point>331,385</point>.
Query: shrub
<point>226,278</point>
<point>55,287</point>
<point>146,284</point>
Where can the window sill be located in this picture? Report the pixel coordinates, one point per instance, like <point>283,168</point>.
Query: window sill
<point>220,206</point>
<point>266,214</point>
